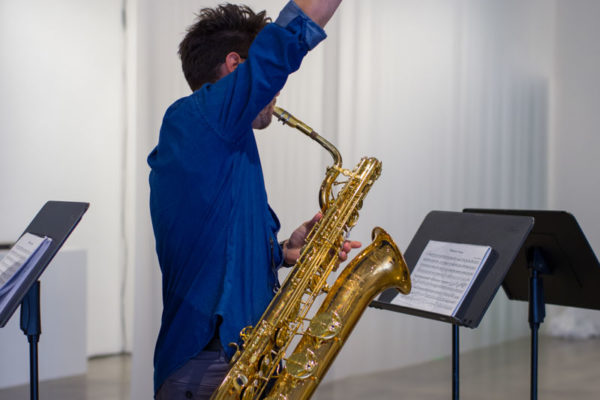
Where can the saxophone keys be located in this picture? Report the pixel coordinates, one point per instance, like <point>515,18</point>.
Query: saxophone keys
<point>301,365</point>
<point>325,325</point>
<point>248,393</point>
<point>246,333</point>
<point>354,216</point>
<point>265,365</point>
<point>282,336</point>
<point>316,284</point>
<point>239,382</point>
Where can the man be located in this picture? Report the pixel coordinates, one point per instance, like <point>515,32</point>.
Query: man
<point>216,236</point>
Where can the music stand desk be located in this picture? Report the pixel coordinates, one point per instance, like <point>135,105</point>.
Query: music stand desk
<point>504,234</point>
<point>56,220</point>
<point>556,265</point>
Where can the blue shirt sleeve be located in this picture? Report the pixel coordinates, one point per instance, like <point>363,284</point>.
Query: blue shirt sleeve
<point>313,34</point>
<point>231,104</point>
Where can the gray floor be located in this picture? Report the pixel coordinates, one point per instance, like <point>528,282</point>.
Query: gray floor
<point>107,379</point>
<point>568,370</point>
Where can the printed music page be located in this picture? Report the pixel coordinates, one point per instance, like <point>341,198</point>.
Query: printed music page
<point>443,276</point>
<point>22,256</point>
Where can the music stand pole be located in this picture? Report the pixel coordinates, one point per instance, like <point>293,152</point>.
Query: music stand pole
<point>32,327</point>
<point>455,358</point>
<point>537,310</point>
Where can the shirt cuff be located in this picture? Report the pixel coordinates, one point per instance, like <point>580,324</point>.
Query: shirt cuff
<point>312,34</point>
<point>283,263</point>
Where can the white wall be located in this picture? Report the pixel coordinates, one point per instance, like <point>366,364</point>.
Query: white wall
<point>574,180</point>
<point>62,130</point>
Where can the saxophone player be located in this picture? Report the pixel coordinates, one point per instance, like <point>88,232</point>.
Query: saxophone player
<point>216,235</point>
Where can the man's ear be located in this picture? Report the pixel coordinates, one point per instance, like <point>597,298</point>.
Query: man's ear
<point>232,60</point>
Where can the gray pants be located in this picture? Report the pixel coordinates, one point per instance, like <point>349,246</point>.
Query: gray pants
<point>197,379</point>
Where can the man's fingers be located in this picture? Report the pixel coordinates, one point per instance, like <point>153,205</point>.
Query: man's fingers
<point>349,245</point>
<point>317,217</point>
<point>313,221</point>
<point>346,247</point>
<point>343,256</point>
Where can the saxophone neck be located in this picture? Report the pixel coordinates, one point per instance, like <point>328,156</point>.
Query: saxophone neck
<point>288,119</point>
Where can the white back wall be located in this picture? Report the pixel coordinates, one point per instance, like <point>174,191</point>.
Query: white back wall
<point>574,181</point>
<point>61,113</point>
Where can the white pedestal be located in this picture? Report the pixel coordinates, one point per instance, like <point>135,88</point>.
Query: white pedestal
<point>62,347</point>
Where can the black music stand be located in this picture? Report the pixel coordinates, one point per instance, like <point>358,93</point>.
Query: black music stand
<point>504,234</point>
<point>56,219</point>
<point>556,265</point>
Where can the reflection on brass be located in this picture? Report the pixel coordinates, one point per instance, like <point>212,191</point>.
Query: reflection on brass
<point>301,365</point>
<point>325,325</point>
<point>266,354</point>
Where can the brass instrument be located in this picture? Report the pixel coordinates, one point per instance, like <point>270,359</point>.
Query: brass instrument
<point>261,368</point>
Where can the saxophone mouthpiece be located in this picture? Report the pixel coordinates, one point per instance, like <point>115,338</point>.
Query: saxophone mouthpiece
<point>281,114</point>
<point>288,119</point>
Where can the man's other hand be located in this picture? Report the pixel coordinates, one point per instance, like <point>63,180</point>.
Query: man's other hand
<point>292,246</point>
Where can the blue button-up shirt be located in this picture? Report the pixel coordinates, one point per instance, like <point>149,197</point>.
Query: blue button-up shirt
<point>216,236</point>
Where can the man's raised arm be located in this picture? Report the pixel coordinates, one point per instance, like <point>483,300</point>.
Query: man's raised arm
<point>319,11</point>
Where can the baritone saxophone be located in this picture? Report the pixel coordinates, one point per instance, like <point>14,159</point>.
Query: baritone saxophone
<point>287,353</point>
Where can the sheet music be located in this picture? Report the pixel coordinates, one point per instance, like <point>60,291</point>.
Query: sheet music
<point>21,257</point>
<point>443,276</point>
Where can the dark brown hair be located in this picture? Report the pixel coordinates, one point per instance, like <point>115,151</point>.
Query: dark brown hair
<point>217,32</point>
